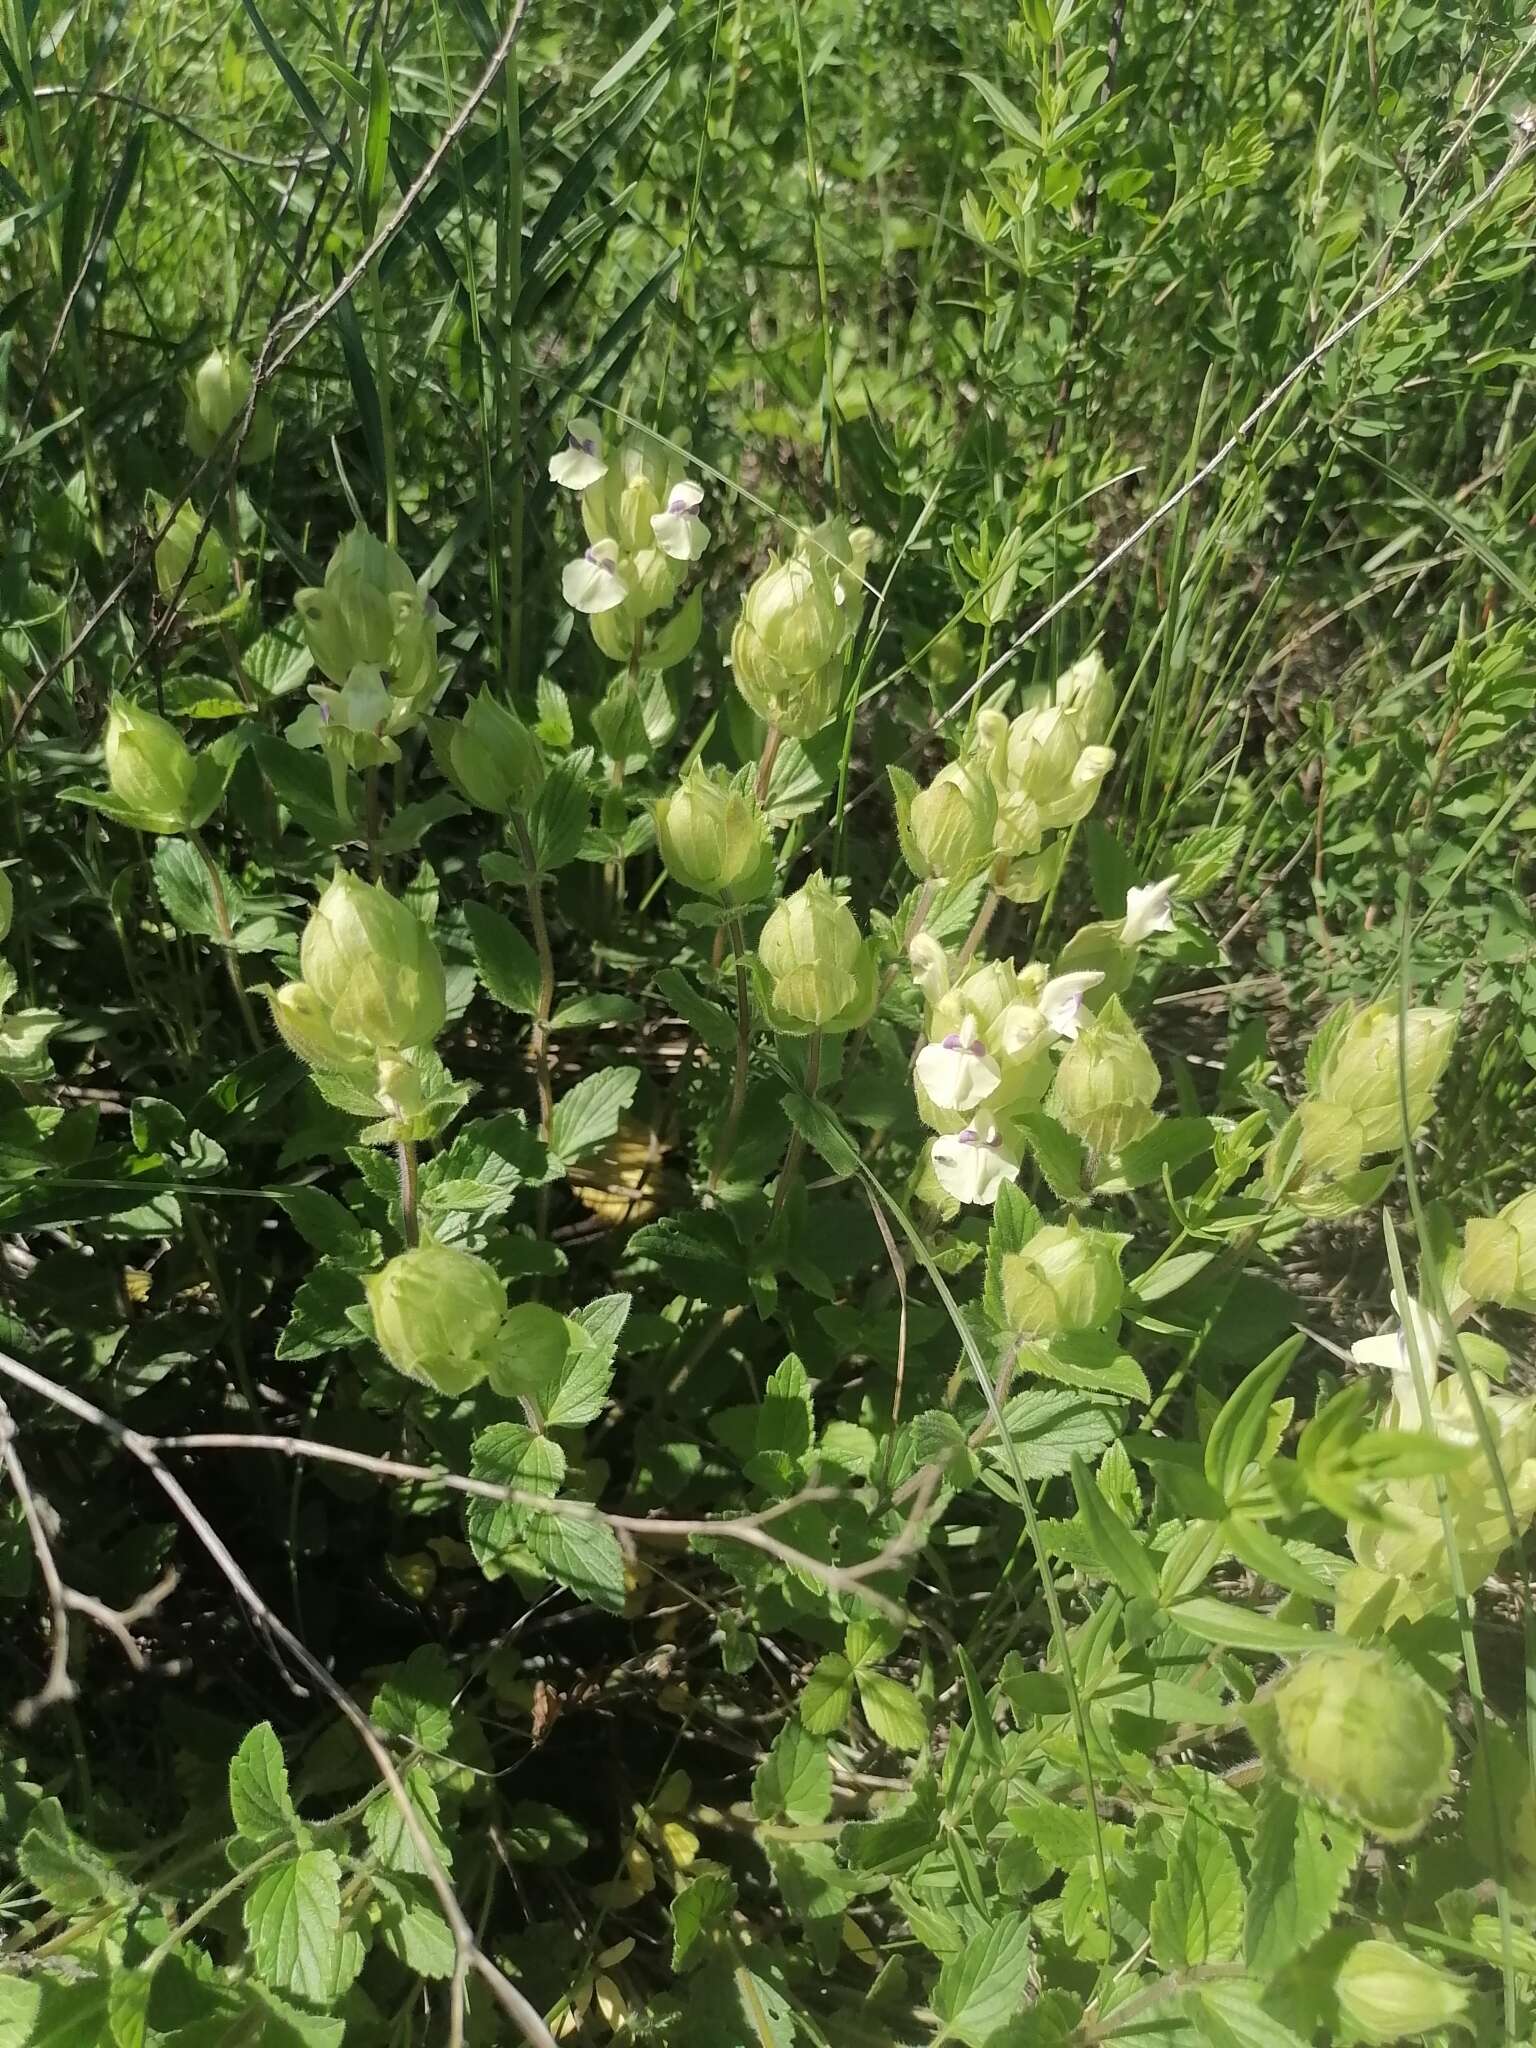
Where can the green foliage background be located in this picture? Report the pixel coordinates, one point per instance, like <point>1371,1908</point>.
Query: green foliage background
<point>996,280</point>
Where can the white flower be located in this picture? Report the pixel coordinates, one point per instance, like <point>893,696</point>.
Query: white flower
<point>580,463</point>
<point>1061,1000</point>
<point>593,582</point>
<point>1391,1348</point>
<point>1148,910</point>
<point>957,1071</point>
<point>930,965</point>
<point>679,532</point>
<point>972,1166</point>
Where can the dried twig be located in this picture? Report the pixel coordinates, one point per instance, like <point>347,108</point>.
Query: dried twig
<point>64,1599</point>
<point>468,1953</point>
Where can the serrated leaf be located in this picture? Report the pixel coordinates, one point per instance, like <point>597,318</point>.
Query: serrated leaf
<point>1197,1908</point>
<point>1015,1219</point>
<point>183,886</point>
<point>986,1983</point>
<point>259,1799</point>
<point>412,1927</point>
<point>588,1114</point>
<point>583,1554</point>
<point>50,2012</point>
<point>1298,1866</point>
<point>320,1320</point>
<point>557,817</point>
<point>393,1842</point>
<point>794,1780</point>
<point>827,1699</point>
<point>70,1874</point>
<point>293,1917</point>
<point>415,1702</point>
<point>899,1838</point>
<point>699,1909</point>
<point>895,1714</point>
<point>505,961</point>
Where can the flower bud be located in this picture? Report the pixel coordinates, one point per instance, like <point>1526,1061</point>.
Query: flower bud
<point>436,1315</point>
<point>821,976</point>
<point>369,614</point>
<point>1332,1141</point>
<point>714,838</point>
<point>1499,1262</point>
<point>1085,690</point>
<point>151,771</point>
<point>1107,1082</point>
<point>208,586</point>
<point>1387,1993</point>
<point>1065,1279</point>
<point>951,822</point>
<point>1359,1731</point>
<point>1365,1071</point>
<point>217,398</point>
<point>787,646</point>
<point>493,756</point>
<point>304,1024</point>
<point>372,964</point>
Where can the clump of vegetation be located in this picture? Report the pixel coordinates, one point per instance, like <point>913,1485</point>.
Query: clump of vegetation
<point>766,1026</point>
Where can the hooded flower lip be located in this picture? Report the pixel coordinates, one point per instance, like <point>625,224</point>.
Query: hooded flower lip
<point>971,1166</point>
<point>679,532</point>
<point>1061,1001</point>
<point>957,1071</point>
<point>1416,1335</point>
<point>580,464</point>
<point>593,582</point>
<point>1148,910</point>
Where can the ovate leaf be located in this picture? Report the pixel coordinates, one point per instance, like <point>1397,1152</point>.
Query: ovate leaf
<point>1197,1909</point>
<point>293,1917</point>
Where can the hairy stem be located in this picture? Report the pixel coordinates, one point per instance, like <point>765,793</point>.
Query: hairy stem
<point>542,1066</point>
<point>227,940</point>
<point>790,1170</point>
<point>725,1144</point>
<point>405,1155</point>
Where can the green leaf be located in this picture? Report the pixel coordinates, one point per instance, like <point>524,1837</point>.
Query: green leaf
<point>1298,1866</point>
<point>412,1927</point>
<point>1015,1219</point>
<point>259,1798</point>
<point>794,1780</point>
<point>1048,1426</point>
<point>986,1983</point>
<point>1060,1157</point>
<point>557,817</point>
<point>1238,1432</point>
<point>588,1114</point>
<point>1229,2016</point>
<point>823,1131</point>
<point>895,1714</point>
<point>70,1875</point>
<point>375,151</point>
<point>50,2012</point>
<point>330,1227</point>
<point>582,1554</point>
<point>1197,1908</point>
<point>183,886</point>
<point>1122,1554</point>
<point>415,1702</point>
<point>320,1321</point>
<point>392,1840</point>
<point>700,1909</point>
<point>128,2008</point>
<point>512,1455</point>
<point>1243,1628</point>
<point>827,1700</point>
<point>899,1838</point>
<point>712,1021</point>
<point>506,963</point>
<point>785,1428</point>
<point>293,1917</point>
<point>1010,118</point>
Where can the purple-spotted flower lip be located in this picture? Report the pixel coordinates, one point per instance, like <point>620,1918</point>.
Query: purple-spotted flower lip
<point>953,1042</point>
<point>325,712</point>
<point>585,442</point>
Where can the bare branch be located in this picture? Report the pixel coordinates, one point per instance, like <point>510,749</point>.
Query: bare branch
<point>469,1954</point>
